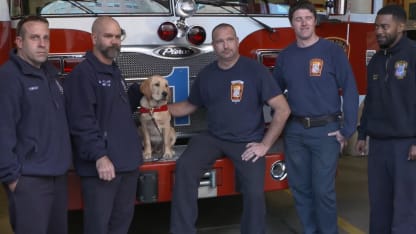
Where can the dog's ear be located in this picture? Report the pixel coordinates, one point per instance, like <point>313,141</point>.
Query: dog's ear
<point>145,88</point>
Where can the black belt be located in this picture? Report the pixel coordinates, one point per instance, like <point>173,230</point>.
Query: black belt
<point>310,122</point>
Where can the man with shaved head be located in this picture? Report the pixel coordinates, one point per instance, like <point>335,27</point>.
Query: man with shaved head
<point>107,146</point>
<point>233,90</point>
<point>105,49</point>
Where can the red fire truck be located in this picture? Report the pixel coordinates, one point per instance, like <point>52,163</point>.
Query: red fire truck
<point>172,38</point>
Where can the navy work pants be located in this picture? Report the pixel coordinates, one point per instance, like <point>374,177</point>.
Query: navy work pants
<point>311,156</point>
<point>197,159</point>
<point>392,186</point>
<point>109,205</point>
<point>39,205</point>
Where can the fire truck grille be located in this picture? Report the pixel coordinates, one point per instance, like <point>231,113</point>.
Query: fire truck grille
<point>143,65</point>
<point>137,65</point>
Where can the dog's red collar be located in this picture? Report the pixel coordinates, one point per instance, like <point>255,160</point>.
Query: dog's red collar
<point>143,110</point>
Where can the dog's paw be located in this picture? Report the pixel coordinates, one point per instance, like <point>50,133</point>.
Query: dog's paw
<point>147,155</point>
<point>168,154</point>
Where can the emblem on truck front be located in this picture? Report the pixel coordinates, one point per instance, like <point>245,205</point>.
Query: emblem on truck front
<point>176,51</point>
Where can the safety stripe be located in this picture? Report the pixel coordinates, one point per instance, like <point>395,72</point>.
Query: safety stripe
<point>348,227</point>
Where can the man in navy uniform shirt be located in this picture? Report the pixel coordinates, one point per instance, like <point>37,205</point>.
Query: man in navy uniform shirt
<point>313,70</point>
<point>35,149</point>
<point>106,142</point>
<point>233,89</point>
<point>389,119</point>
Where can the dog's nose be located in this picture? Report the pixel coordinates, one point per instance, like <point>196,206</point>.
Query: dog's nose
<point>164,93</point>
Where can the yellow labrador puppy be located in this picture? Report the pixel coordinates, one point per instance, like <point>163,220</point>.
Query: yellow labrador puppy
<point>158,134</point>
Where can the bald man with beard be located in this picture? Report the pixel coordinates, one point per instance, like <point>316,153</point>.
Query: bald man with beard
<point>107,147</point>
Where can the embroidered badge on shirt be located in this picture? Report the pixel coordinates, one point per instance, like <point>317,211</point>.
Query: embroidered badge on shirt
<point>401,67</point>
<point>315,67</point>
<point>237,87</point>
<point>375,77</point>
<point>105,83</point>
<point>33,88</point>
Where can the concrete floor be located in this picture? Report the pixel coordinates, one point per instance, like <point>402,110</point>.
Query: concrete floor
<point>221,216</point>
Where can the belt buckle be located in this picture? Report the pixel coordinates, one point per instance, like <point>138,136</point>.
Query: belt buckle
<point>307,122</point>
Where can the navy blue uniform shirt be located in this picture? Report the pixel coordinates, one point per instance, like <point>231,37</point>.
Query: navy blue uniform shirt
<point>34,136</point>
<point>313,77</point>
<point>234,99</point>
<point>390,104</point>
<point>100,117</point>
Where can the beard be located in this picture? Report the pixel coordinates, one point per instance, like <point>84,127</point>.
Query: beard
<point>110,52</point>
<point>385,41</point>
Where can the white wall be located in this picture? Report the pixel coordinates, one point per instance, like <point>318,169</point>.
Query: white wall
<point>4,11</point>
<point>360,6</point>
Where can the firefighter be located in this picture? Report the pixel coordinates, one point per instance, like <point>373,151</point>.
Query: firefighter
<point>35,149</point>
<point>313,70</point>
<point>233,89</point>
<point>107,145</point>
<point>389,119</point>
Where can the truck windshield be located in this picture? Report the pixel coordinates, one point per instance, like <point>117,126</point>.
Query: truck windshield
<point>98,7</point>
<point>268,7</point>
<point>105,7</point>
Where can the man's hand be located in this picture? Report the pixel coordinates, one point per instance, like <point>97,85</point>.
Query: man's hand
<point>412,153</point>
<point>254,151</point>
<point>12,185</point>
<point>340,138</point>
<point>105,169</point>
<point>360,147</point>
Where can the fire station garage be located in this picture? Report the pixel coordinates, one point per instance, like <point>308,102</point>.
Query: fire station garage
<point>176,44</point>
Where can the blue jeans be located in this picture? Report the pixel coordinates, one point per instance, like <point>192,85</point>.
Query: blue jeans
<point>312,157</point>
